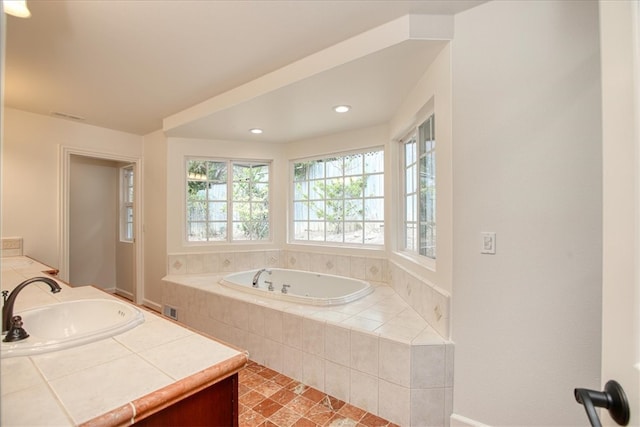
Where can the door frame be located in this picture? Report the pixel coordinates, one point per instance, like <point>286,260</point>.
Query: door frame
<point>65,153</point>
<point>620,56</point>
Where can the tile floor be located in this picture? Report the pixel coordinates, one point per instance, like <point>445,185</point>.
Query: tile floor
<point>270,399</point>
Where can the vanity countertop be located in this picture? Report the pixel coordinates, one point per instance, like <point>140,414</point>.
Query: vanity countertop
<point>110,382</point>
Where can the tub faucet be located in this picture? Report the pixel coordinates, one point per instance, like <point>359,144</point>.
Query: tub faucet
<point>7,308</point>
<point>285,288</point>
<point>270,283</point>
<point>256,277</point>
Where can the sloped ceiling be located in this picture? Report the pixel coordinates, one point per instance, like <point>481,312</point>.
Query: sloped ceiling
<point>129,65</point>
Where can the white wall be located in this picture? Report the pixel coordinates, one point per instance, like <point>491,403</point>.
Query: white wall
<point>155,217</point>
<point>431,94</point>
<point>527,165</point>
<point>620,46</point>
<point>125,267</point>
<point>30,176</point>
<point>93,222</point>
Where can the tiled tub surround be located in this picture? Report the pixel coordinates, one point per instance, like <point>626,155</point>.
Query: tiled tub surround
<point>111,381</point>
<point>429,301</point>
<point>376,353</point>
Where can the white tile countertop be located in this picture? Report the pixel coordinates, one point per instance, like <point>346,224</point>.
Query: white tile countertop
<point>110,381</point>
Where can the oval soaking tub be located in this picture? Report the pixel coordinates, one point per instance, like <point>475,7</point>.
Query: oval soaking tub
<point>72,323</point>
<point>299,286</point>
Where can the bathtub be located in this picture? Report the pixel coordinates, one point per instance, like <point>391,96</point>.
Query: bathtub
<point>301,286</point>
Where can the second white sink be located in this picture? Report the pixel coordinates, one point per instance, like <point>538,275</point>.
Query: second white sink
<point>69,324</point>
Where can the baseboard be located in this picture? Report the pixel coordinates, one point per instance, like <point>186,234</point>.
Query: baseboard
<point>125,294</point>
<point>460,421</point>
<point>152,305</point>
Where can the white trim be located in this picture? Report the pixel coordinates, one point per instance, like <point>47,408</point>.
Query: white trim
<point>122,293</point>
<point>400,246</point>
<point>124,203</point>
<point>152,305</point>
<point>460,421</point>
<point>64,160</point>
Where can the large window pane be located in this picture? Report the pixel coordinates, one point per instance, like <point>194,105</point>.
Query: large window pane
<point>217,231</point>
<point>316,210</point>
<point>335,231</point>
<point>316,231</point>
<point>334,210</point>
<point>209,200</point>
<point>353,232</point>
<point>374,209</point>
<point>334,167</point>
<point>420,190</point>
<point>353,187</point>
<point>316,190</point>
<point>353,209</point>
<point>353,165</point>
<point>374,162</point>
<point>410,180</point>
<point>197,210</point>
<point>260,192</point>
<point>374,186</point>
<point>337,204</point>
<point>374,232</point>
<point>217,211</point>
<point>301,230</point>
<point>301,190</point>
<point>300,211</point>
<point>197,231</point>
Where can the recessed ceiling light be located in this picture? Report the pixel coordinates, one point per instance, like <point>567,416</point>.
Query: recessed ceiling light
<point>256,131</point>
<point>341,108</point>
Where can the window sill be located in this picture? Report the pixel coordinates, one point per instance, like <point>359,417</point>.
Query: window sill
<point>424,262</point>
<point>346,248</point>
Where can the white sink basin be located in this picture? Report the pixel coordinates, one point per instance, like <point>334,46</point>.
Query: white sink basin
<point>69,324</point>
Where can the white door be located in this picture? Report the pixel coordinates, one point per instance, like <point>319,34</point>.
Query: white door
<point>619,26</point>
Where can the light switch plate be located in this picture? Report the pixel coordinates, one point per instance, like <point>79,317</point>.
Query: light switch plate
<point>11,246</point>
<point>488,243</point>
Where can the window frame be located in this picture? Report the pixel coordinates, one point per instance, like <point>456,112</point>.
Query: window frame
<point>291,239</point>
<point>415,134</point>
<point>127,203</point>
<point>229,182</point>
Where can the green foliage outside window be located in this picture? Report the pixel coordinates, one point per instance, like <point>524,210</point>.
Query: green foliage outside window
<point>340,199</point>
<point>209,204</point>
<point>251,201</point>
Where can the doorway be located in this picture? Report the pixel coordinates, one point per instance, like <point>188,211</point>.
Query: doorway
<point>99,222</point>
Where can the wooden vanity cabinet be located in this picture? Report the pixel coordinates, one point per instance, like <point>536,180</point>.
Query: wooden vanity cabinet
<point>216,405</point>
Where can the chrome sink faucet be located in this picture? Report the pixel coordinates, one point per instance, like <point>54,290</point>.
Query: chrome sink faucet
<point>256,277</point>
<point>7,308</point>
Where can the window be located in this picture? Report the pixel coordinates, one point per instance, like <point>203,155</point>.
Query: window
<point>227,200</point>
<point>126,203</point>
<point>340,199</point>
<point>419,159</point>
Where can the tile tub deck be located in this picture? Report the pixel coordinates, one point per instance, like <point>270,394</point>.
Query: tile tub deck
<point>376,353</point>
